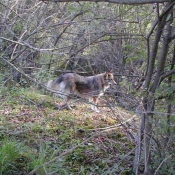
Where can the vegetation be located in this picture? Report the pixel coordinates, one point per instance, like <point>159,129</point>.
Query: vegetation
<point>39,139</point>
<point>133,133</point>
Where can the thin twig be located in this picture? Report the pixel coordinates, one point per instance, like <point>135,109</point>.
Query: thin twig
<point>164,160</point>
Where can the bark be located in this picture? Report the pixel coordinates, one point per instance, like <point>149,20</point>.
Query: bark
<point>140,113</point>
<point>169,106</point>
<point>163,56</point>
<point>148,104</point>
<point>153,54</point>
<point>148,97</point>
<point>149,100</point>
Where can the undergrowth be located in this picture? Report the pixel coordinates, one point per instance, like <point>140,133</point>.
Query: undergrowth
<point>38,138</point>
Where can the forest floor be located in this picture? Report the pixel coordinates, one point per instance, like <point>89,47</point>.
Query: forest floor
<point>48,141</point>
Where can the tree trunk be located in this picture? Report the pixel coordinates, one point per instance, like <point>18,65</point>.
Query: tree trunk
<point>149,90</point>
<point>169,106</point>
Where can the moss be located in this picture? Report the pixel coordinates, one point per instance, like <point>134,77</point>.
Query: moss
<point>35,121</point>
<point>127,172</point>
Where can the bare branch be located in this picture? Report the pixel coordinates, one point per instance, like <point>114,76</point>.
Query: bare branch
<point>171,72</point>
<point>22,43</point>
<point>131,2</point>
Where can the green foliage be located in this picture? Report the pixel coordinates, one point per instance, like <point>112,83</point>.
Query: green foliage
<point>16,158</point>
<point>77,156</point>
<point>13,157</point>
<point>107,38</point>
<point>46,133</point>
<point>167,164</point>
<point>44,154</point>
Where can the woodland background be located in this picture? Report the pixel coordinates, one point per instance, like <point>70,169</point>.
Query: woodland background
<point>39,40</point>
